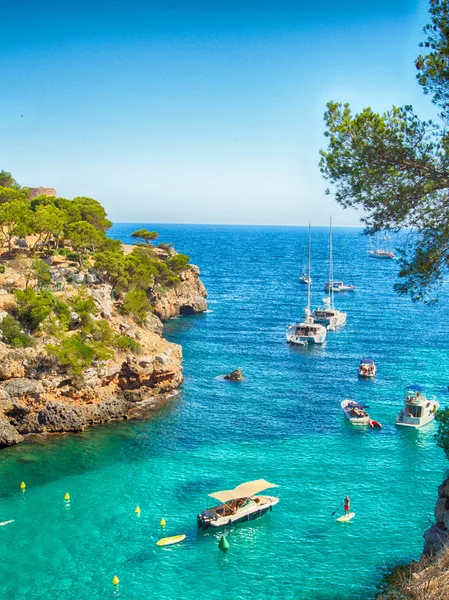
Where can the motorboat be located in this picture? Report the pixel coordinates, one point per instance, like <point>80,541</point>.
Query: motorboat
<point>367,368</point>
<point>355,412</point>
<point>307,331</point>
<point>418,408</point>
<point>238,505</point>
<point>381,252</point>
<point>328,315</point>
<point>304,279</point>
<point>338,286</point>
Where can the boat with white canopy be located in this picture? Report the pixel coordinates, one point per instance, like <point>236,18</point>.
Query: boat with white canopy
<point>306,332</point>
<point>419,409</point>
<point>355,412</point>
<point>238,505</point>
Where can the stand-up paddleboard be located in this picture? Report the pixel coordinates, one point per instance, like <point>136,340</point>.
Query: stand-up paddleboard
<point>345,518</point>
<point>6,522</point>
<point>174,539</point>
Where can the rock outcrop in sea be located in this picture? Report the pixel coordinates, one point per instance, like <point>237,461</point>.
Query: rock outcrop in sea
<point>37,396</point>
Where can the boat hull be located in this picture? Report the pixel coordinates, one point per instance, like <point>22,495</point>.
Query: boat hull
<point>404,419</point>
<point>250,513</point>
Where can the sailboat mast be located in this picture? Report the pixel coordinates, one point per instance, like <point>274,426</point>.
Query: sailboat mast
<point>331,266</point>
<point>308,275</point>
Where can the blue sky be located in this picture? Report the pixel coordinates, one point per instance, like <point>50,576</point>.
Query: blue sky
<point>192,111</point>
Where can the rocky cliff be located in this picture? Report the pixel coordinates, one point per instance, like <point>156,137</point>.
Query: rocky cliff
<point>38,396</point>
<point>437,536</point>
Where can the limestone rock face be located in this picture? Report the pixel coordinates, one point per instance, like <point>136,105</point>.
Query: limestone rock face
<point>187,298</point>
<point>38,396</point>
<point>8,434</point>
<point>437,536</point>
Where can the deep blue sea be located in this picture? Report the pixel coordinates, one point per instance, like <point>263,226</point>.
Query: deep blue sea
<point>283,423</point>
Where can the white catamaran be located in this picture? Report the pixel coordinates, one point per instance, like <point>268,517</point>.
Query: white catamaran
<point>238,505</point>
<point>307,331</point>
<point>328,315</point>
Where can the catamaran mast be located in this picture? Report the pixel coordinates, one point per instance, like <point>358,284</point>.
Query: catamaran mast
<point>331,266</point>
<point>308,277</point>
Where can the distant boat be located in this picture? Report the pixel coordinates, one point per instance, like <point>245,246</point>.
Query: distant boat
<point>328,315</point>
<point>305,279</point>
<point>307,331</point>
<point>418,408</point>
<point>338,286</point>
<point>381,252</point>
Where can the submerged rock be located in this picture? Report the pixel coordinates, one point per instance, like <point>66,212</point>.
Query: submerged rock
<point>236,375</point>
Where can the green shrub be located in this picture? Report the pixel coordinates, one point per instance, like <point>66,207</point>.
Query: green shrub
<point>84,305</point>
<point>178,263</point>
<point>41,272</point>
<point>2,268</point>
<point>136,303</point>
<point>12,334</point>
<point>125,342</point>
<point>33,307</point>
<point>75,354</point>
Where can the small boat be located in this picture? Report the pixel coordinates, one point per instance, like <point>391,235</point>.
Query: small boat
<point>305,279</point>
<point>418,408</point>
<point>306,332</point>
<point>338,286</point>
<point>355,412</point>
<point>367,368</point>
<point>238,505</point>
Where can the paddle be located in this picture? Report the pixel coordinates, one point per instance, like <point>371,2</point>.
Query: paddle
<point>337,508</point>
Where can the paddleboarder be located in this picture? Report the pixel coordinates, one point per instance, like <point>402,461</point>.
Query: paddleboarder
<point>347,506</point>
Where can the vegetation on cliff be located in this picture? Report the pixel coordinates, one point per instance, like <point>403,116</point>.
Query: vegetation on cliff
<point>36,234</point>
<point>395,166</point>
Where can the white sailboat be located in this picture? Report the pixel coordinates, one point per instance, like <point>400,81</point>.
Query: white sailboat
<point>328,315</point>
<point>380,252</point>
<point>307,331</point>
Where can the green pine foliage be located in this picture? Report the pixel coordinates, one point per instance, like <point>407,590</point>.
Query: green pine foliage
<point>76,229</point>
<point>11,333</point>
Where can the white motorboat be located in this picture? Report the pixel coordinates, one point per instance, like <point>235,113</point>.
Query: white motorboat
<point>328,315</point>
<point>306,332</point>
<point>338,286</point>
<point>367,368</point>
<point>305,279</point>
<point>381,252</point>
<point>355,412</point>
<point>418,408</point>
<point>238,505</point>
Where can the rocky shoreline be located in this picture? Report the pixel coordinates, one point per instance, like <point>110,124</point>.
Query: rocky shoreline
<point>38,397</point>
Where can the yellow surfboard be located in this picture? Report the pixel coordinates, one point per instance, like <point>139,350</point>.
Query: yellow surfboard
<point>174,539</point>
<point>345,518</point>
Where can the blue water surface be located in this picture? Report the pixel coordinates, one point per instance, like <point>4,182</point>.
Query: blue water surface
<point>283,423</point>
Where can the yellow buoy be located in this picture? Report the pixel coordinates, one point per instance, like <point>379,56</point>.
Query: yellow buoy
<point>115,580</point>
<point>22,485</point>
<point>67,497</point>
<point>137,511</point>
<point>162,522</point>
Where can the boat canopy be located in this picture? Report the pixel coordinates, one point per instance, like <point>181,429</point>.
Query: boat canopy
<point>357,405</point>
<point>415,388</point>
<point>367,361</point>
<point>244,490</point>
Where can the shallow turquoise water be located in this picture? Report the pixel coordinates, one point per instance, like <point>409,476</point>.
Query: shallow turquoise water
<point>283,423</point>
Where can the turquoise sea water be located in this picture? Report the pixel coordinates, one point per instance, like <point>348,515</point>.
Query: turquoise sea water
<point>283,423</point>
